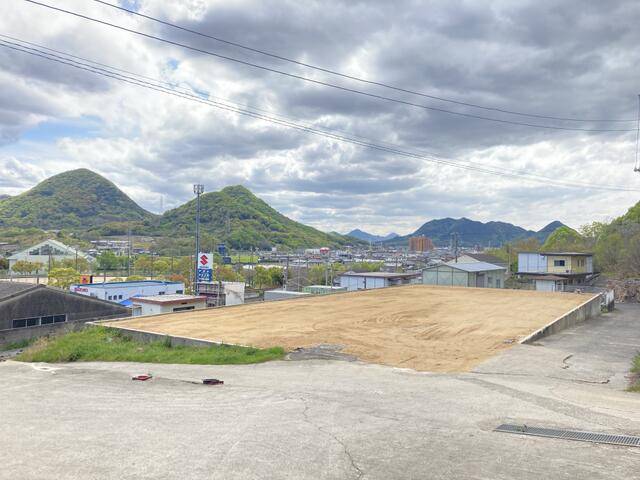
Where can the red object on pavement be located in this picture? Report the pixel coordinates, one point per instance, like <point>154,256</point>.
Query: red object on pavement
<point>141,377</point>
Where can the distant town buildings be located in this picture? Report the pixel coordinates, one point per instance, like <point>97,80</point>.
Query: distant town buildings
<point>45,253</point>
<point>420,244</point>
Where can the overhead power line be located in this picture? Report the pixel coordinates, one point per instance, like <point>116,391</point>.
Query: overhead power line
<point>353,77</point>
<point>105,72</point>
<point>322,83</point>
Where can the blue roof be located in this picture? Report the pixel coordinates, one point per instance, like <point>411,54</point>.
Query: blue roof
<point>137,283</point>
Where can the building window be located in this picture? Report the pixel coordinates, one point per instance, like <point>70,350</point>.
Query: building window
<point>160,293</point>
<point>110,297</point>
<point>32,322</point>
<point>119,297</point>
<point>180,291</point>
<point>20,323</point>
<point>498,283</point>
<point>59,318</point>
<point>182,309</point>
<point>558,263</point>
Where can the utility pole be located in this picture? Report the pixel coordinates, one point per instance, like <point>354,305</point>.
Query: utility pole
<point>129,251</point>
<point>286,274</point>
<point>198,189</point>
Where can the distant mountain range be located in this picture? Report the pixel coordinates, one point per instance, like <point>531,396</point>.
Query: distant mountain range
<point>471,232</point>
<point>369,237</point>
<point>81,200</point>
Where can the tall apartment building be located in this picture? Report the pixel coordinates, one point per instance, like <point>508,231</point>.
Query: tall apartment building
<point>420,244</point>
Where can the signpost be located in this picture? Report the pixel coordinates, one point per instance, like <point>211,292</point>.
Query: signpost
<point>205,267</point>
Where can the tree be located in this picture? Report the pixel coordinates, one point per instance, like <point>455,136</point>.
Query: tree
<point>143,264</point>
<point>226,273</point>
<point>108,261</point>
<point>564,239</point>
<point>63,277</point>
<point>80,264</point>
<point>276,276</point>
<point>263,277</point>
<point>25,267</point>
<point>4,264</point>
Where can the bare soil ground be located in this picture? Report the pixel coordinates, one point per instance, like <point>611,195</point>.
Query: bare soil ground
<point>438,329</point>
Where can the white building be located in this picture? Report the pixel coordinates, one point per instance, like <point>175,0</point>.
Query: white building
<point>47,252</point>
<point>283,295</point>
<point>367,280</point>
<point>120,292</point>
<point>157,304</point>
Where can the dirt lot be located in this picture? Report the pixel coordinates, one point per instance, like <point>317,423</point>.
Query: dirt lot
<point>439,329</point>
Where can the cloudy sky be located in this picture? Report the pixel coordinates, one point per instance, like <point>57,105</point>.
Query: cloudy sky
<point>569,59</point>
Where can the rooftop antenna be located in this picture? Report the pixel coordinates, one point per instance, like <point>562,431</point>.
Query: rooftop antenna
<point>636,167</point>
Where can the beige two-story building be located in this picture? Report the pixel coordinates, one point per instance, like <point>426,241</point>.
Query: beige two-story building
<point>553,271</point>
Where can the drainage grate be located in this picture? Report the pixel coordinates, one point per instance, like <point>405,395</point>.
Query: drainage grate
<point>626,440</point>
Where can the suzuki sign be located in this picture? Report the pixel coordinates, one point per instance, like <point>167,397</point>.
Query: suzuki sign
<point>205,261</point>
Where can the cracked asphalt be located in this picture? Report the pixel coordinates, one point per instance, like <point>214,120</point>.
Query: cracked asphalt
<point>329,419</point>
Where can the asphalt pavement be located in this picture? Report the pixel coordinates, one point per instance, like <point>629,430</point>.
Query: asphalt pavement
<point>329,419</point>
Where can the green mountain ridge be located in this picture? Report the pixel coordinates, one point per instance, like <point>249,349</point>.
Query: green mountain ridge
<point>244,220</point>
<point>84,201</point>
<point>74,199</point>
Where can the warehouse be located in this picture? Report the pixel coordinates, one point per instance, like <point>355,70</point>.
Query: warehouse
<point>39,309</point>
<point>477,274</point>
<point>367,280</point>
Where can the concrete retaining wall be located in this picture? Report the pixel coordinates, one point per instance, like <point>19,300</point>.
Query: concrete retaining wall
<point>149,337</point>
<point>589,309</point>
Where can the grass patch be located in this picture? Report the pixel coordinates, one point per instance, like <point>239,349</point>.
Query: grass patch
<point>635,369</point>
<point>16,345</point>
<point>102,344</point>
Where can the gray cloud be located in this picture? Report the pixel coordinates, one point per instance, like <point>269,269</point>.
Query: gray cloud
<point>555,58</point>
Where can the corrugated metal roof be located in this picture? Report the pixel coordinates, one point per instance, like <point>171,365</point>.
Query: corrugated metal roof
<point>125,284</point>
<point>379,274</point>
<point>474,267</point>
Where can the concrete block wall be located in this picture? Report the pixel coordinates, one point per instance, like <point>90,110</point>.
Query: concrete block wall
<point>19,334</point>
<point>590,308</point>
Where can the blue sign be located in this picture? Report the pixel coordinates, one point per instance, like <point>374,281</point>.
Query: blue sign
<point>205,275</point>
<point>222,249</point>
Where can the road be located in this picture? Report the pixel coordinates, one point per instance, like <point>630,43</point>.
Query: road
<point>329,419</point>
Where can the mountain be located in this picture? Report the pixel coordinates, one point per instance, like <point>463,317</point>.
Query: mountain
<point>472,232</point>
<point>546,231</point>
<point>369,237</point>
<point>74,199</point>
<point>238,217</point>
<point>4,197</point>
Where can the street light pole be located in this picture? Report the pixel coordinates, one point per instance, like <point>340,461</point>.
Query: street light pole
<point>198,189</point>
